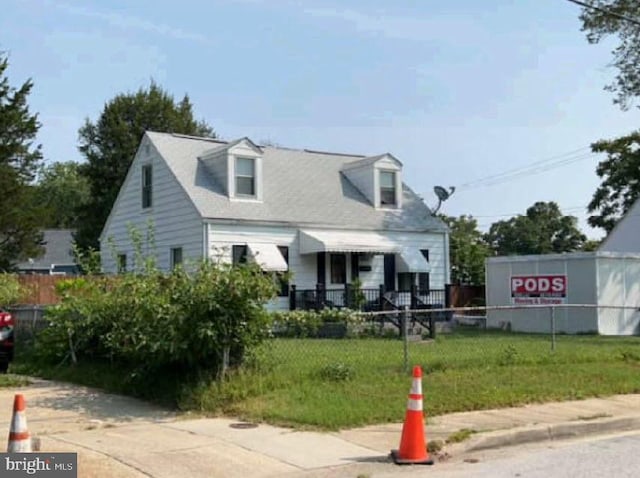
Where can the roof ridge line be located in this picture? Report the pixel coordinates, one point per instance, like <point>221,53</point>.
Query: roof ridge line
<point>352,155</point>
<point>200,138</point>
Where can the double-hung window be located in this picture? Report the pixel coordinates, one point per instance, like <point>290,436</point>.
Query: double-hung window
<point>245,177</point>
<point>387,188</point>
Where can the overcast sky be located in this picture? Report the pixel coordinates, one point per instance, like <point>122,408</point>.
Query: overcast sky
<point>458,90</point>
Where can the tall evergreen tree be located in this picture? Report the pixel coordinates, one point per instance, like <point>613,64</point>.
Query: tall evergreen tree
<point>110,144</point>
<point>20,215</point>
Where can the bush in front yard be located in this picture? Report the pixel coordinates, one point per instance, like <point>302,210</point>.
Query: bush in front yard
<point>183,324</point>
<point>324,323</point>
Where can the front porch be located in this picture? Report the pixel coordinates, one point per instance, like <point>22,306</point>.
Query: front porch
<point>366,299</point>
<point>367,271</point>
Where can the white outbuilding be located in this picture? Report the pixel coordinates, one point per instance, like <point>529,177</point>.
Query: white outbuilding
<point>586,291</point>
<point>589,292</point>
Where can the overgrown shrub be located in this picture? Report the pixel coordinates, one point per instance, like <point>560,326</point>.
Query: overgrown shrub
<point>185,324</point>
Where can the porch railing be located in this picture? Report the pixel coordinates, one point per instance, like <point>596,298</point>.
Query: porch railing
<point>365,299</point>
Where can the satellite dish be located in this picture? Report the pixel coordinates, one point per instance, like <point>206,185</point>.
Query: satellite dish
<point>442,195</point>
<point>441,192</point>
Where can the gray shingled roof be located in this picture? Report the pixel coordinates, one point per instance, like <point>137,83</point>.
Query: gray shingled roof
<point>58,244</point>
<point>300,187</point>
<point>368,161</point>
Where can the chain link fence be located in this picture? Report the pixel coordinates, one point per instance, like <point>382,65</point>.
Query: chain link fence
<point>435,338</point>
<point>29,320</point>
<point>461,337</point>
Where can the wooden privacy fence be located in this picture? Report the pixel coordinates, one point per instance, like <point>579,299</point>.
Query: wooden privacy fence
<point>466,295</point>
<point>40,289</point>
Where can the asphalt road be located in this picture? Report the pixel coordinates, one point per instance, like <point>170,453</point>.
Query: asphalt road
<point>604,457</point>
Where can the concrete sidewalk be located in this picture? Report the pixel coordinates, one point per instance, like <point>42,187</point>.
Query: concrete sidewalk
<point>514,426</point>
<point>125,438</point>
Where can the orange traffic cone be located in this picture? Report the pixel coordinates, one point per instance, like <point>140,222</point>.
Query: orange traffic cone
<point>413,448</point>
<point>19,437</point>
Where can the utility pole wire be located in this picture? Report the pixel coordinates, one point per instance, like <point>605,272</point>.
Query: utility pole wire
<point>531,169</point>
<point>606,12</point>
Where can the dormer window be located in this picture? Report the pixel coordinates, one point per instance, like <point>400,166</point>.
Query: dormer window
<point>245,176</point>
<point>388,189</point>
<point>237,168</point>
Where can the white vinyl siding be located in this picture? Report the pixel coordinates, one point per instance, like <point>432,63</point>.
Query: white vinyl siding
<point>363,179</point>
<point>173,217</point>
<point>625,236</point>
<point>371,178</point>
<point>303,267</point>
<point>618,283</point>
<point>216,165</point>
<point>223,237</point>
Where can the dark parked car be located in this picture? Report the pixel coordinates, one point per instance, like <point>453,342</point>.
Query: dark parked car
<point>7,324</point>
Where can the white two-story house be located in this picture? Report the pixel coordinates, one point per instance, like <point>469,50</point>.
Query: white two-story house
<point>327,218</point>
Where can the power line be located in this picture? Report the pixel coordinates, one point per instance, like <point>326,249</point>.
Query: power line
<point>530,172</point>
<point>556,157</point>
<point>532,169</point>
<point>606,12</point>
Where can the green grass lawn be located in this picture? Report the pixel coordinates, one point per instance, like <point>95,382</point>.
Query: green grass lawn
<point>332,384</point>
<point>342,383</point>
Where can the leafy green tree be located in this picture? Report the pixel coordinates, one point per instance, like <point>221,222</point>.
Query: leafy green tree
<point>20,216</point>
<point>467,250</point>
<point>607,20</point>
<point>620,186</point>
<point>63,191</point>
<point>110,144</point>
<point>542,230</point>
